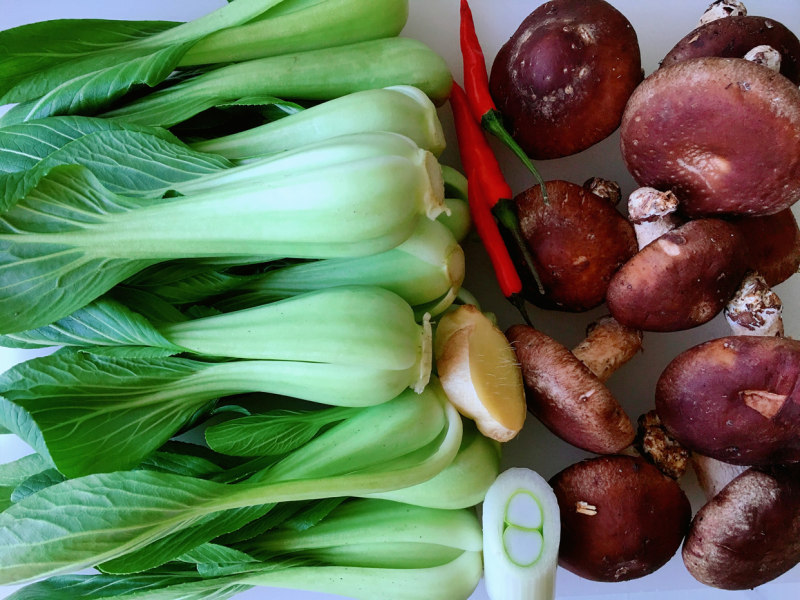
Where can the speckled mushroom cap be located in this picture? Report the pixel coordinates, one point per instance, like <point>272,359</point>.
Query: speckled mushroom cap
<point>722,133</point>
<point>749,533</point>
<point>566,396</point>
<point>620,517</point>
<point>735,36</point>
<point>563,77</point>
<point>680,280</point>
<point>578,241</point>
<point>736,399</point>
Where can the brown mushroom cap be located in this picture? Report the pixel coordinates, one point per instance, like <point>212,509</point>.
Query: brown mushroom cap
<point>722,133</point>
<point>566,396</point>
<point>578,241</point>
<point>563,77</point>
<point>736,399</point>
<point>640,518</point>
<point>749,533</point>
<point>680,280</point>
<point>773,245</point>
<point>735,36</point>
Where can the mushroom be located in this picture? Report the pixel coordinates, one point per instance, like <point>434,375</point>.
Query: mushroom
<point>563,77</point>
<point>735,399</point>
<point>749,533</point>
<point>621,518</point>
<point>754,310</point>
<point>736,35</point>
<point>565,390</point>
<point>680,280</point>
<point>577,242</point>
<point>772,245</point>
<point>722,133</point>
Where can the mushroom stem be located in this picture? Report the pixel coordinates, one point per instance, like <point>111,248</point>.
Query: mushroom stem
<point>607,346</point>
<point>721,9</point>
<point>652,213</point>
<point>605,188</point>
<point>754,310</point>
<point>766,56</point>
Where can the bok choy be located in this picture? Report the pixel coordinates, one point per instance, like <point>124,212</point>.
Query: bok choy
<point>71,239</point>
<point>363,548</point>
<point>81,66</point>
<point>104,516</point>
<point>313,75</point>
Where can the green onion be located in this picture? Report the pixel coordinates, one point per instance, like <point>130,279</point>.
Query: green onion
<point>521,533</point>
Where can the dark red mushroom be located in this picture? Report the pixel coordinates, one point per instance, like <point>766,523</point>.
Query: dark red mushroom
<point>735,399</point>
<point>577,240</point>
<point>772,245</point>
<point>734,37</point>
<point>722,133</point>
<point>749,533</point>
<point>621,518</point>
<point>680,280</point>
<point>563,77</point>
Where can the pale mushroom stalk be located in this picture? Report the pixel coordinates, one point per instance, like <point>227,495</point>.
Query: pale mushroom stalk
<point>721,9</point>
<point>653,213</point>
<point>755,310</point>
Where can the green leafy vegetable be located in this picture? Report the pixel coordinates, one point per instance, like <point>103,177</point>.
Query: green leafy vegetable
<point>71,239</point>
<point>402,109</point>
<point>104,516</point>
<point>94,77</point>
<point>312,75</point>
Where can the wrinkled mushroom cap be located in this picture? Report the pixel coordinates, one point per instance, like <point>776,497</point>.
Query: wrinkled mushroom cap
<point>578,241</point>
<point>736,399</point>
<point>722,133</point>
<point>563,77</point>
<point>566,396</point>
<point>680,280</point>
<point>749,533</point>
<point>735,36</point>
<point>632,522</point>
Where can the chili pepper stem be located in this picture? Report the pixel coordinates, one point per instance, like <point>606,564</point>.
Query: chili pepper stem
<point>506,216</point>
<point>519,303</point>
<point>493,123</point>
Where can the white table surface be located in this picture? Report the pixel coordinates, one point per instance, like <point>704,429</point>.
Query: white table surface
<point>658,25</point>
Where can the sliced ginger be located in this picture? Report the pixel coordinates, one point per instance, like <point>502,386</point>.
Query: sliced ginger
<point>479,372</point>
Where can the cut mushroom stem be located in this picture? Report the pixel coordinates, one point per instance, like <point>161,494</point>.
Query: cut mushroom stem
<point>604,188</point>
<point>653,213</point>
<point>754,310</point>
<point>607,346</point>
<point>765,56</point>
<point>721,9</point>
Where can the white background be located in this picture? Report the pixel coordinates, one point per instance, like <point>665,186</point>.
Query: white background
<point>659,25</point>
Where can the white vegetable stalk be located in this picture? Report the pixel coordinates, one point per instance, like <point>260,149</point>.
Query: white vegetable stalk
<point>363,207</point>
<point>401,109</point>
<point>336,151</point>
<point>348,325</point>
<point>521,534</point>
<point>295,26</point>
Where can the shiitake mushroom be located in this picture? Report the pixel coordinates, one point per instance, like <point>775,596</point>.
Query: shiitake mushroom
<point>621,518</point>
<point>563,78</point>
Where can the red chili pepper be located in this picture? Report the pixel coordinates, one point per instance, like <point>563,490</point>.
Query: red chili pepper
<point>476,85</point>
<point>485,180</point>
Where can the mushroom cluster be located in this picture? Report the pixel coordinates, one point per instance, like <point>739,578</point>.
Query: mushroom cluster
<point>713,139</point>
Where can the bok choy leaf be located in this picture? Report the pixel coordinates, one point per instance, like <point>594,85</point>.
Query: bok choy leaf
<point>106,515</point>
